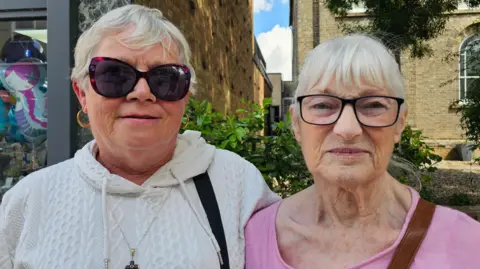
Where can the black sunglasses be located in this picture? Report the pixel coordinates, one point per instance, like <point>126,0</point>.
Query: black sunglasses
<point>113,78</point>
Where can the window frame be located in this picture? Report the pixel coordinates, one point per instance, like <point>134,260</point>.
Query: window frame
<point>463,76</point>
<point>23,9</point>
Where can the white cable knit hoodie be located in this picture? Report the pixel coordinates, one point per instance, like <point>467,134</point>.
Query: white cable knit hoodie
<point>71,215</point>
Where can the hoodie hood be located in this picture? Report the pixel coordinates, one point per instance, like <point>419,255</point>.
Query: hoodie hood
<point>192,156</point>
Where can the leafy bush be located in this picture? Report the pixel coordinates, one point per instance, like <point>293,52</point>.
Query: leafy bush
<point>470,110</point>
<point>459,199</point>
<point>413,148</point>
<point>421,160</point>
<point>279,157</point>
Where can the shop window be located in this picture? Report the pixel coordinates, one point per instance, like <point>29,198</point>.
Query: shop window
<point>23,99</point>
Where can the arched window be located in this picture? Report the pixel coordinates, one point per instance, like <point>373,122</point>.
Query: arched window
<point>469,63</point>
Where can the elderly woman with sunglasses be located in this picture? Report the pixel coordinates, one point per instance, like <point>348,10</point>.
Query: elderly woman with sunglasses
<point>140,194</point>
<point>349,113</point>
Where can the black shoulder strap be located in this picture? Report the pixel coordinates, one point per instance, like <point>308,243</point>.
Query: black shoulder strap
<point>210,205</point>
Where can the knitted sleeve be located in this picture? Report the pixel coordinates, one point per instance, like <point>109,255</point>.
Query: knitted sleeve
<point>256,193</point>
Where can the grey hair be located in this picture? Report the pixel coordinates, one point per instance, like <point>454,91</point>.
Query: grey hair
<point>150,28</point>
<point>355,60</point>
<point>351,60</point>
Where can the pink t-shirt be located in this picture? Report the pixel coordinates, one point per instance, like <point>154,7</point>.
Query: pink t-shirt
<point>452,242</point>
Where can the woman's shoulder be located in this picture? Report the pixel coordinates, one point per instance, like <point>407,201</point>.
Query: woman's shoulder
<point>223,156</point>
<point>239,180</point>
<point>455,235</point>
<point>463,228</point>
<point>446,217</point>
<point>31,185</point>
<point>263,219</point>
<point>261,228</point>
<point>233,168</point>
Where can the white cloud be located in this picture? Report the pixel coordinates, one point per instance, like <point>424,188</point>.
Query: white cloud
<point>276,47</point>
<point>285,1</point>
<point>262,5</point>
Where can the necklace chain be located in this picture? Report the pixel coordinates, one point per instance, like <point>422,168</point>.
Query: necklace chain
<point>133,250</point>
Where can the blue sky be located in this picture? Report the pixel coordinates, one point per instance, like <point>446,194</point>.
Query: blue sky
<point>265,20</point>
<point>274,35</point>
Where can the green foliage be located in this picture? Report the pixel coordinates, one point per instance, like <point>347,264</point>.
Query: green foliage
<point>470,110</point>
<point>421,160</point>
<point>238,133</point>
<point>282,162</point>
<point>279,157</point>
<point>399,24</point>
<point>413,148</point>
<point>460,199</point>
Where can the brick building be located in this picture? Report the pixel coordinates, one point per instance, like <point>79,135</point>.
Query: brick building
<point>227,60</point>
<point>429,100</point>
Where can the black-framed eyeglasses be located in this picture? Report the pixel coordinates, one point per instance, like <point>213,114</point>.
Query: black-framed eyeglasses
<point>370,111</point>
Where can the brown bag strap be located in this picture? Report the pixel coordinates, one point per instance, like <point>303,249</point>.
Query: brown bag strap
<point>416,231</point>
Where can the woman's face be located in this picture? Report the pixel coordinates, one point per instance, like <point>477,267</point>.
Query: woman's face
<point>345,152</point>
<point>139,120</point>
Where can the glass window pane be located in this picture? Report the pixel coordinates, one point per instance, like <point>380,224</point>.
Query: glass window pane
<point>23,99</point>
<point>472,54</point>
<point>462,64</point>
<point>473,64</point>
<point>462,88</point>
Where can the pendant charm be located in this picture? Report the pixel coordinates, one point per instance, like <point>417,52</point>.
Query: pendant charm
<point>132,264</point>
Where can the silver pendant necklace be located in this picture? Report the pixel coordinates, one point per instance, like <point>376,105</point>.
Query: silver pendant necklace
<point>132,264</point>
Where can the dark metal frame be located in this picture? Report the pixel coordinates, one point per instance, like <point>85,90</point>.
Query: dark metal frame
<point>23,5</point>
<point>62,25</point>
<point>21,9</point>
<point>63,32</point>
<point>352,102</point>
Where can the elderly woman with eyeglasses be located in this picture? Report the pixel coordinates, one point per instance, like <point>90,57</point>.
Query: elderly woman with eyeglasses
<point>349,113</point>
<point>139,194</point>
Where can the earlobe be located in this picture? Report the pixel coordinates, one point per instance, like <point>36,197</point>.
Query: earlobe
<point>81,96</point>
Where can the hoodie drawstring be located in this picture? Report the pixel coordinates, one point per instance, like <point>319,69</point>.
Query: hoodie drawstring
<point>106,243</point>
<point>202,223</point>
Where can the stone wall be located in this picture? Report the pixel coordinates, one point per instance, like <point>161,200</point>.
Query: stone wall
<point>302,22</point>
<point>428,98</point>
<point>220,34</point>
<point>276,79</point>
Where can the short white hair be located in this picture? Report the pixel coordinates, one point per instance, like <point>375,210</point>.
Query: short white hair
<point>355,60</point>
<point>150,28</point>
<point>352,60</point>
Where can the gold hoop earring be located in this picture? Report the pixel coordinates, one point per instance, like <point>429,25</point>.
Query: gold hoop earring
<point>79,121</point>
<point>186,123</point>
